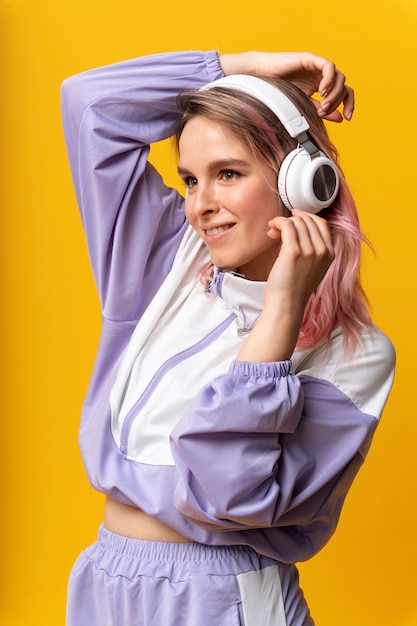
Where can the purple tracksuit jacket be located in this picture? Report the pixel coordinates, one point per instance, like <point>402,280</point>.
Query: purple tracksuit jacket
<point>225,452</point>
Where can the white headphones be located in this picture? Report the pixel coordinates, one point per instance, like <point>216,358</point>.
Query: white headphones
<point>308,180</point>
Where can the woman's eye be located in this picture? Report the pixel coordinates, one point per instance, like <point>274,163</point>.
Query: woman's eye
<point>189,181</point>
<point>230,174</point>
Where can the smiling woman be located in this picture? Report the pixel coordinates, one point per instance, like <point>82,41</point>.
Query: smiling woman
<point>230,209</point>
<point>274,369</point>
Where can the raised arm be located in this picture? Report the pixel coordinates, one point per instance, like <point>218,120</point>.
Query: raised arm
<point>133,223</point>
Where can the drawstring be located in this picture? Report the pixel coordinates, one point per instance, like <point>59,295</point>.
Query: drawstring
<point>245,329</point>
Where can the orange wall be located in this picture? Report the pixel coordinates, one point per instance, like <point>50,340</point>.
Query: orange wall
<point>50,317</point>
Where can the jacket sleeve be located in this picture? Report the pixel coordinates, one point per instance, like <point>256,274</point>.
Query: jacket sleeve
<point>133,223</point>
<point>264,448</point>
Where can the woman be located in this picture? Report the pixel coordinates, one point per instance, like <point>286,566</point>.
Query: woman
<point>239,378</point>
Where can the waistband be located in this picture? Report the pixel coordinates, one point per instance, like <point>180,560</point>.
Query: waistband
<point>175,559</point>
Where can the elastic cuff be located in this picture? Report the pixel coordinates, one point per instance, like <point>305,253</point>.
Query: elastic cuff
<point>275,369</point>
<point>214,69</point>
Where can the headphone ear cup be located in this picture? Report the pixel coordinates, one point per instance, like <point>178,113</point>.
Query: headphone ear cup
<point>306,183</point>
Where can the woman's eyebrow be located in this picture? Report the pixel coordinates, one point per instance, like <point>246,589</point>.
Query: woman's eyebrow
<point>218,164</point>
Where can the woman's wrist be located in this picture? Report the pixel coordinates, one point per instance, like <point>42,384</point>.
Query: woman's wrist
<point>273,338</point>
<point>239,63</point>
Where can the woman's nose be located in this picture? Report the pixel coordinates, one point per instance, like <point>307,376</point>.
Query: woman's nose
<point>205,199</point>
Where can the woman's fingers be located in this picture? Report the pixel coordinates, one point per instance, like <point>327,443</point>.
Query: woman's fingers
<point>327,108</point>
<point>306,252</point>
<point>305,228</point>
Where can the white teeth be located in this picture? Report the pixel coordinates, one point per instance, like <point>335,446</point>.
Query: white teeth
<point>216,231</point>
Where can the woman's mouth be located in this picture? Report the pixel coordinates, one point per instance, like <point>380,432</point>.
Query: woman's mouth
<point>217,230</point>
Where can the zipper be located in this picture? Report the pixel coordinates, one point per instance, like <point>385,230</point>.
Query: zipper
<point>172,362</point>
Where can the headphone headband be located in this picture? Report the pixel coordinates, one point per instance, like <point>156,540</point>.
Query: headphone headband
<point>288,114</point>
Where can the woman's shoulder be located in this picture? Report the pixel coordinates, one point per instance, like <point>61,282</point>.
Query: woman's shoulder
<point>364,374</point>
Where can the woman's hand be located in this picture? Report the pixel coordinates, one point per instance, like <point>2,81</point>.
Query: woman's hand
<point>310,72</point>
<point>306,253</point>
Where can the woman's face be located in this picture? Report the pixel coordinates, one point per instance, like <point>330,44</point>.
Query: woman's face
<point>231,196</point>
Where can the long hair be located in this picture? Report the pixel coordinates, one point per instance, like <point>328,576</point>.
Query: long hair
<point>339,300</point>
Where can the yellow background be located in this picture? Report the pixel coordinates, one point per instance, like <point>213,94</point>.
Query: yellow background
<point>50,320</point>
